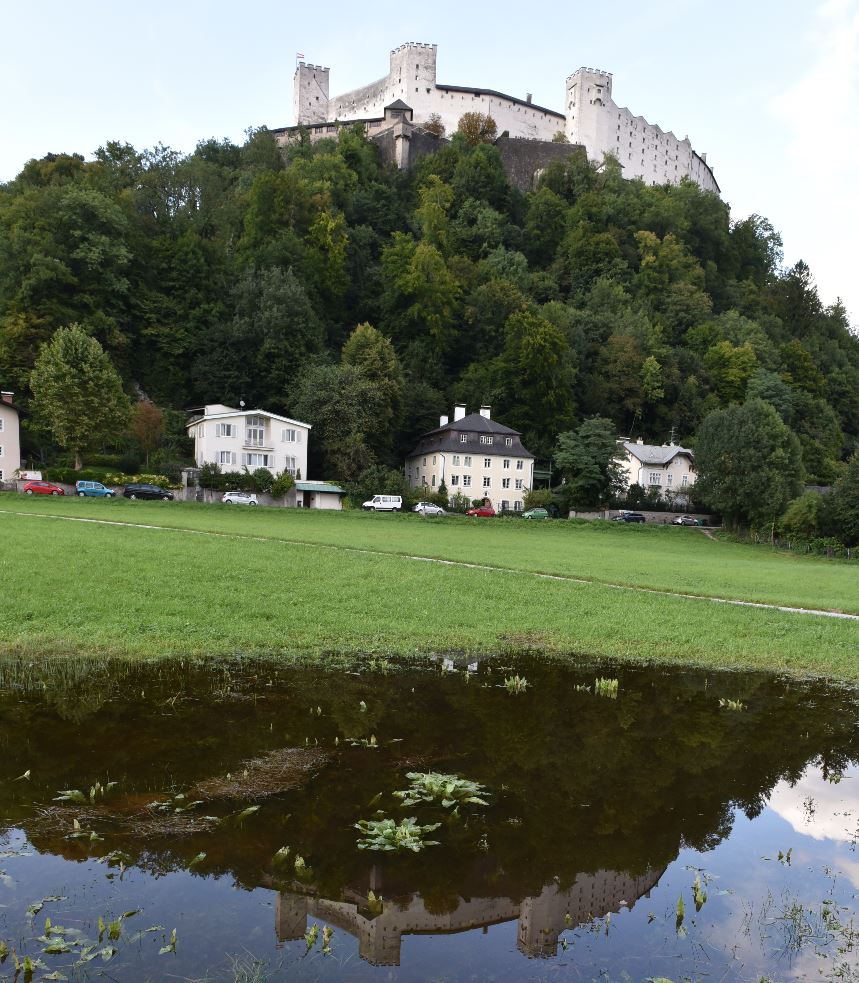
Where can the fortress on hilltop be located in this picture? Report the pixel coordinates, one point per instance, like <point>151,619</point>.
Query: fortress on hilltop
<point>394,109</point>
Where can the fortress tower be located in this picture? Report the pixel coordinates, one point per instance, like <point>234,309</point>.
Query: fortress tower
<point>310,94</point>
<point>588,93</point>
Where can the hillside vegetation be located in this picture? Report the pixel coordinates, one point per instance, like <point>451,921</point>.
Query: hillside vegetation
<point>237,272</point>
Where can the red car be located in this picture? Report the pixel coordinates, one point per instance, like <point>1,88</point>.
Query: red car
<point>483,511</point>
<point>42,488</point>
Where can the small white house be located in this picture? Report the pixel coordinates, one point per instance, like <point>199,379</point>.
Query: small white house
<point>10,438</point>
<point>238,439</point>
<point>668,467</point>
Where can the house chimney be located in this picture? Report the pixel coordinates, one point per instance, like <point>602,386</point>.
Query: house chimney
<point>443,420</point>
<point>458,412</point>
<point>486,412</point>
<point>6,397</point>
<point>639,440</point>
<point>528,97</point>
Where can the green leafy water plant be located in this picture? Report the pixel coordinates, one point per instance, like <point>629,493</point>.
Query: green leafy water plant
<point>449,791</point>
<point>515,684</point>
<point>732,704</point>
<point>387,836</point>
<point>606,687</point>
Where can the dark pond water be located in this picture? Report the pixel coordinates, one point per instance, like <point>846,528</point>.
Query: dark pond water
<point>604,810</point>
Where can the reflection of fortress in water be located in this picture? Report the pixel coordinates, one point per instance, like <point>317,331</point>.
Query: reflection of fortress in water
<point>541,919</point>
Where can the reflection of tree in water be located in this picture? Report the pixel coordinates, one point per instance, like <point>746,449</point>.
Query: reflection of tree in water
<point>581,786</point>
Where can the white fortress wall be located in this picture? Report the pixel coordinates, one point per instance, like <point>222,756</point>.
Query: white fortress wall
<point>644,149</point>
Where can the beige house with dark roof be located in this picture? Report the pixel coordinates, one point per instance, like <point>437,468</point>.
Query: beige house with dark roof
<point>10,438</point>
<point>476,456</point>
<point>668,467</point>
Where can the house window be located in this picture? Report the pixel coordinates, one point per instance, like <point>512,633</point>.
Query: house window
<point>225,430</point>
<point>467,461</point>
<point>485,440</point>
<point>506,464</point>
<point>517,506</point>
<point>684,480</point>
<point>487,462</point>
<point>290,465</point>
<point>508,441</point>
<point>505,505</point>
<point>433,481</point>
<point>505,482</point>
<point>487,481</point>
<point>290,436</point>
<point>520,465</point>
<point>463,438</point>
<point>425,461</point>
<point>257,460</point>
<point>454,480</point>
<point>433,459</point>
<point>456,460</point>
<point>670,478</point>
<point>466,481</point>
<point>226,457</point>
<point>2,422</point>
<point>655,478</point>
<point>255,433</point>
<point>519,483</point>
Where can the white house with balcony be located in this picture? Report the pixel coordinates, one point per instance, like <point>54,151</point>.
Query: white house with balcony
<point>668,467</point>
<point>238,439</point>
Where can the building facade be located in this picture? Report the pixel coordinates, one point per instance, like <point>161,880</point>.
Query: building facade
<point>590,118</point>
<point>237,439</point>
<point>10,438</point>
<point>668,467</point>
<point>475,456</point>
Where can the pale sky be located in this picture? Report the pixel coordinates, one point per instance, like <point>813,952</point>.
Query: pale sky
<point>768,89</point>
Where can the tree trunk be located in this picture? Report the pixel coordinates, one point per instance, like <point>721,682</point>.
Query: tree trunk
<point>78,462</point>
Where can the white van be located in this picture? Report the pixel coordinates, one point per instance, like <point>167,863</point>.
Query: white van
<point>384,503</point>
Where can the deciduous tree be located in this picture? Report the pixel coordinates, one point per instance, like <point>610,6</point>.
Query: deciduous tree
<point>77,393</point>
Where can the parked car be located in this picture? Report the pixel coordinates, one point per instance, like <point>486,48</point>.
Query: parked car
<point>482,511</point>
<point>629,517</point>
<point>536,514</point>
<point>93,489</point>
<point>685,520</point>
<point>143,490</point>
<point>427,508</point>
<point>383,503</point>
<point>42,488</point>
<point>239,498</point>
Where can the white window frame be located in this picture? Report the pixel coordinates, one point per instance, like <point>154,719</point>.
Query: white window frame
<point>226,457</point>
<point>466,481</point>
<point>655,478</point>
<point>685,480</point>
<point>225,430</point>
<point>466,462</point>
<point>456,460</point>
<point>505,482</point>
<point>506,464</point>
<point>519,483</point>
<point>508,441</point>
<point>463,438</point>
<point>487,481</point>
<point>454,480</point>
<point>520,465</point>
<point>285,437</point>
<point>485,439</point>
<point>487,462</point>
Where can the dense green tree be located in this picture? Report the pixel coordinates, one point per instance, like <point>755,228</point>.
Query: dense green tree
<point>589,459</point>
<point>749,463</point>
<point>77,393</point>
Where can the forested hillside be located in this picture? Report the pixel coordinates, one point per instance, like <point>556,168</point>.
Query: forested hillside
<point>237,273</point>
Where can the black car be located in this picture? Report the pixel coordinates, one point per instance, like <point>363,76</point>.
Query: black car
<point>630,517</point>
<point>142,490</point>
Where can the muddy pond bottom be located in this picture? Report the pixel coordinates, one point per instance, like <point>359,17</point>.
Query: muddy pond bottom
<point>505,820</point>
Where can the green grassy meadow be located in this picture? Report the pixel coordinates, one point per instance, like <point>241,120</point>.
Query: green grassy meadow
<point>77,588</point>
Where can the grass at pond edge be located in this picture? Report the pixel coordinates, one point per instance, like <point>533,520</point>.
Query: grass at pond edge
<point>131,592</point>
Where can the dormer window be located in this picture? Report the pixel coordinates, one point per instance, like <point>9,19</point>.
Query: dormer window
<point>463,438</point>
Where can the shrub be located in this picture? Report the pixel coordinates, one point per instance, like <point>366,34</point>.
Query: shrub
<point>261,480</point>
<point>282,485</point>
<point>459,502</point>
<point>538,498</point>
<point>802,516</point>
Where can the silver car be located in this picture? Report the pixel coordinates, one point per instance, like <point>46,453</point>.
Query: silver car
<point>427,508</point>
<point>239,498</point>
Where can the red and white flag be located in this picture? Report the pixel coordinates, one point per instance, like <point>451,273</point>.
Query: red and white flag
<point>298,54</point>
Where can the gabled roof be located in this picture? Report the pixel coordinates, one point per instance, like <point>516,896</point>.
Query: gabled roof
<point>231,413</point>
<point>653,454</point>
